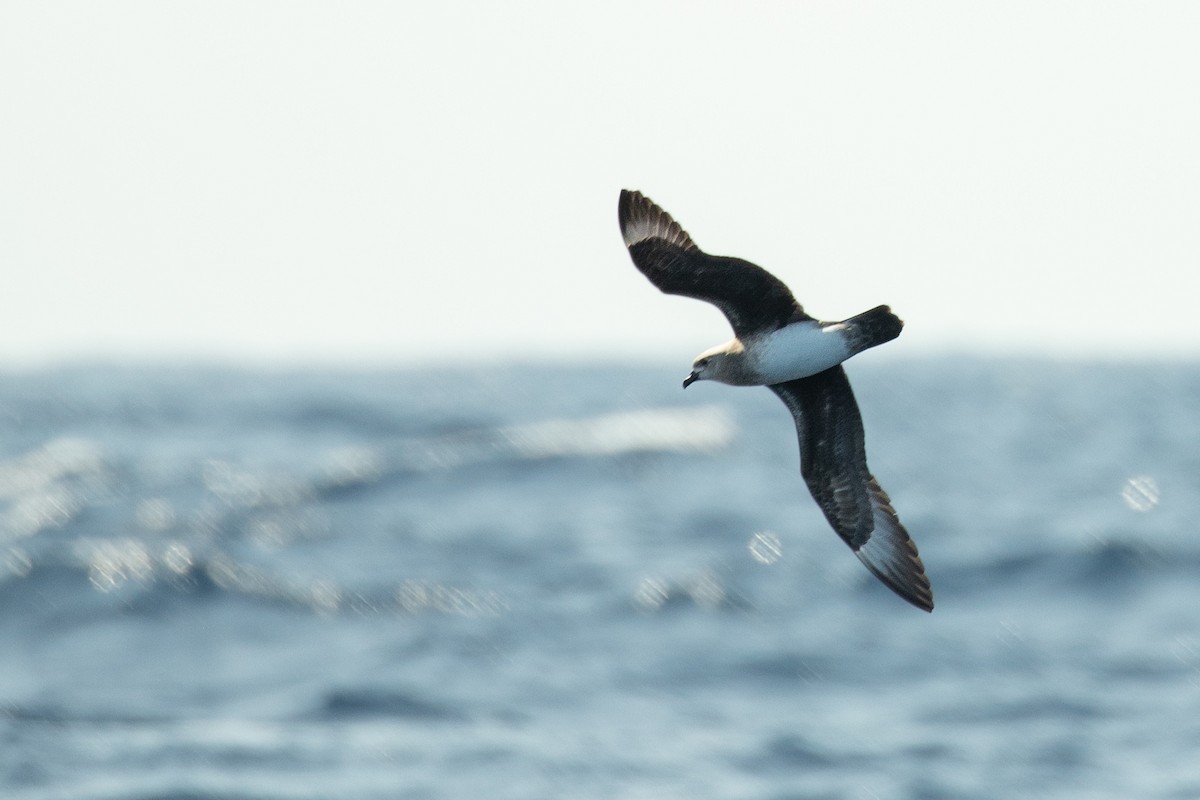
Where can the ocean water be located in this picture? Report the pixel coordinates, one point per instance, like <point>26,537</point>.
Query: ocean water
<point>548,582</point>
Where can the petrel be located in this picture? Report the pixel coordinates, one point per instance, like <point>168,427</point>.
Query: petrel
<point>777,345</point>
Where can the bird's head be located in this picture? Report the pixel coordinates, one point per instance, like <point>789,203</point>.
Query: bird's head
<point>699,371</point>
<point>722,363</point>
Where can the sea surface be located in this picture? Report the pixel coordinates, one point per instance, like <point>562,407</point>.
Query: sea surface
<point>521,582</point>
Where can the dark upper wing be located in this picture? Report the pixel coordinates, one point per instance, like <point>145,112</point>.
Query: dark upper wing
<point>749,296</point>
<point>833,461</point>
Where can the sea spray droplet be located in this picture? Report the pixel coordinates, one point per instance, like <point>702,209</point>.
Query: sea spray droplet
<point>1140,493</point>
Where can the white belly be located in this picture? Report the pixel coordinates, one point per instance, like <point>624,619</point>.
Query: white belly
<point>797,351</point>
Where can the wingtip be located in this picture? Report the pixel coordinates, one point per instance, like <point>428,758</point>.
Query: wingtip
<point>913,588</point>
<point>625,208</point>
<point>641,218</point>
<point>891,555</point>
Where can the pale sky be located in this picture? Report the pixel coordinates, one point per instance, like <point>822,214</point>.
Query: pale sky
<point>382,182</point>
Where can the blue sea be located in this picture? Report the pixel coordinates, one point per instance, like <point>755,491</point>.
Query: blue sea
<point>519,582</point>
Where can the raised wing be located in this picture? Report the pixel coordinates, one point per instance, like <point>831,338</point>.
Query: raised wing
<point>833,461</point>
<point>751,298</point>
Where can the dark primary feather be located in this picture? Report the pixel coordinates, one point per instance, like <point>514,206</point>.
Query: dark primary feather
<point>833,462</point>
<point>750,297</point>
<point>640,217</point>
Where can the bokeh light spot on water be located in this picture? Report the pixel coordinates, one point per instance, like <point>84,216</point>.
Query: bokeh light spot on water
<point>765,547</point>
<point>154,514</point>
<point>706,590</point>
<point>417,596</point>
<point>701,429</point>
<point>17,562</point>
<point>267,532</point>
<point>354,466</point>
<point>651,594</point>
<point>113,562</point>
<point>55,462</point>
<point>1141,493</point>
<point>178,558</point>
<point>243,489</point>
<point>52,508</point>
<point>1187,651</point>
<point>325,596</point>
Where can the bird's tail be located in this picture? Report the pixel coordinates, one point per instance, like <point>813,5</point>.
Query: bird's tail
<point>872,328</point>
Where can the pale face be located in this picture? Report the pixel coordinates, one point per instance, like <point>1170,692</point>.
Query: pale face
<point>720,363</point>
<point>699,366</point>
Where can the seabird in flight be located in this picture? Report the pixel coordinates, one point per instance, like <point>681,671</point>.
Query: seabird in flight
<point>777,345</point>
